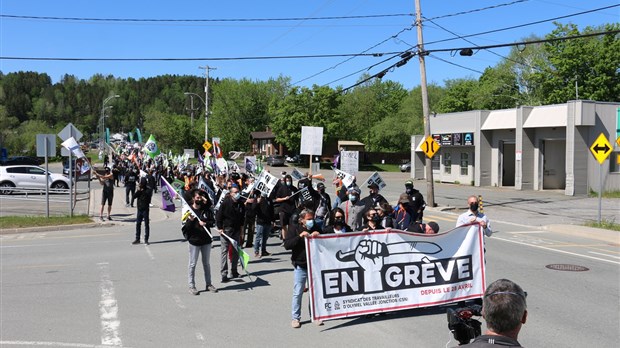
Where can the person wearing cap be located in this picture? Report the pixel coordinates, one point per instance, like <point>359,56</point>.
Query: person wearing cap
<point>353,208</point>
<point>417,201</point>
<point>402,212</point>
<point>374,198</point>
<point>430,227</point>
<point>107,181</point>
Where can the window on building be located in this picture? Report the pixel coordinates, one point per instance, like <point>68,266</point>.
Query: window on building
<point>614,167</point>
<point>435,162</point>
<point>447,163</point>
<point>464,163</point>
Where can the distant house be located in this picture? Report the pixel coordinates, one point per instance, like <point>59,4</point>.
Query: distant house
<point>264,143</point>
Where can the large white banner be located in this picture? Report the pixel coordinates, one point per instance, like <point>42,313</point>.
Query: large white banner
<point>354,274</point>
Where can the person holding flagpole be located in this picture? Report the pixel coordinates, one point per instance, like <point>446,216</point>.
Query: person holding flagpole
<point>199,240</point>
<point>229,220</point>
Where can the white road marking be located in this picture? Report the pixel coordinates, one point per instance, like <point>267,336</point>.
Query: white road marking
<point>199,336</point>
<point>614,256</point>
<point>178,301</point>
<point>108,309</point>
<point>528,232</point>
<point>148,251</point>
<point>556,250</point>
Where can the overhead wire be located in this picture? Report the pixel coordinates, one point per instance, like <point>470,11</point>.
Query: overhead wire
<point>455,64</point>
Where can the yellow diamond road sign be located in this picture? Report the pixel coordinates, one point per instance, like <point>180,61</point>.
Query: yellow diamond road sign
<point>430,147</point>
<point>601,148</point>
<point>618,141</point>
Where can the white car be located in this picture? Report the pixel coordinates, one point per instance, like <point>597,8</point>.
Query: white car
<point>32,177</point>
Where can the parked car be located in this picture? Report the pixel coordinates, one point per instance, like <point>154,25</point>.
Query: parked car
<point>293,159</point>
<point>405,167</point>
<point>19,160</point>
<point>33,177</point>
<point>275,160</point>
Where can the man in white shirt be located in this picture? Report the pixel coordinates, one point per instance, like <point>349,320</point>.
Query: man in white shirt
<point>473,215</point>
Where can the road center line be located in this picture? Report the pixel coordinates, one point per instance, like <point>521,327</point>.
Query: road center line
<point>178,301</point>
<point>148,251</point>
<point>594,252</point>
<point>108,309</point>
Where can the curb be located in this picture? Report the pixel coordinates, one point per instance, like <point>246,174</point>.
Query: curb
<point>585,232</point>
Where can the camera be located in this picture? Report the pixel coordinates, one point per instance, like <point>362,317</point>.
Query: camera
<point>461,324</point>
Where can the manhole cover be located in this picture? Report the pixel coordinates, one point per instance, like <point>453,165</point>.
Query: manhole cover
<point>566,267</point>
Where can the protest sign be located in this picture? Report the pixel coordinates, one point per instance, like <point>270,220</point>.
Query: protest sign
<point>375,178</point>
<point>266,182</point>
<point>296,174</point>
<point>347,179</point>
<point>250,164</point>
<point>355,274</point>
<point>349,161</point>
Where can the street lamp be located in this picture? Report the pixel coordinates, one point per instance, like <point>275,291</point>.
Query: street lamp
<point>206,111</point>
<point>102,120</point>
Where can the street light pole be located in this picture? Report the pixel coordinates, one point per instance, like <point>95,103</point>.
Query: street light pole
<point>207,68</point>
<point>102,120</point>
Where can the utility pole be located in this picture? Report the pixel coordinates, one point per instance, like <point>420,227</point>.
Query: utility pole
<point>191,109</point>
<point>430,185</point>
<point>207,68</point>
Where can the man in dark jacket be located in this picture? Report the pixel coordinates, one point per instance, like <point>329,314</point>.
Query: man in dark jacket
<point>131,178</point>
<point>143,196</point>
<point>229,220</point>
<point>417,201</point>
<point>374,198</point>
<point>306,228</point>
<point>263,210</point>
<point>198,239</point>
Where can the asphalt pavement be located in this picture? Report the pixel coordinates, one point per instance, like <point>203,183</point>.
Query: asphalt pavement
<point>545,210</point>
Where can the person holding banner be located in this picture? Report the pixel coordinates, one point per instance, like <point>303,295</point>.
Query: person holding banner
<point>295,241</point>
<point>337,223</point>
<point>473,215</point>
<point>198,239</point>
<point>373,221</point>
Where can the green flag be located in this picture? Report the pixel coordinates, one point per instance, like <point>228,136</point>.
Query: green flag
<point>151,148</point>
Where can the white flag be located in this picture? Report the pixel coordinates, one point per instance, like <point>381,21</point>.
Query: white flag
<point>72,145</point>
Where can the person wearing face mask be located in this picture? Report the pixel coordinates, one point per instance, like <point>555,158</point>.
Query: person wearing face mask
<point>295,241</point>
<point>353,209</point>
<point>403,212</point>
<point>198,239</point>
<point>337,224</point>
<point>374,198</point>
<point>229,220</point>
<point>473,215</point>
<point>372,221</point>
<point>323,206</point>
<point>417,202</point>
<point>284,203</point>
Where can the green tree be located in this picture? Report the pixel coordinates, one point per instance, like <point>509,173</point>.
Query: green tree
<point>457,96</point>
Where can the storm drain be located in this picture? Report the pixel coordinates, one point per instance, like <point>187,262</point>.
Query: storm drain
<point>567,267</point>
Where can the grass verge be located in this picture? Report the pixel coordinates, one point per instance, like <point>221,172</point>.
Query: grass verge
<point>605,224</point>
<point>37,221</point>
<point>606,194</point>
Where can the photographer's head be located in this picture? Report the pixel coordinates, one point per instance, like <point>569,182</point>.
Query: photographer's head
<point>504,308</point>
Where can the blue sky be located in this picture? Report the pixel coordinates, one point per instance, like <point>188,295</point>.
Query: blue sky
<point>99,39</point>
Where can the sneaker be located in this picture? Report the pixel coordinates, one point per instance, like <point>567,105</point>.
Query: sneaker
<point>211,288</point>
<point>296,324</point>
<point>318,322</point>
<point>266,253</point>
<point>235,275</point>
<point>137,241</point>
<point>126,205</point>
<point>101,218</point>
<point>225,279</point>
<point>256,255</point>
<point>147,242</point>
<point>193,291</point>
<point>109,218</point>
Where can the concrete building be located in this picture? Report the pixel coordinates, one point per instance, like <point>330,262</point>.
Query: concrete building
<point>528,148</point>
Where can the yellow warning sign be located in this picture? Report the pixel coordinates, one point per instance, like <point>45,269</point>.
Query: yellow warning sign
<point>618,141</point>
<point>601,148</point>
<point>430,147</point>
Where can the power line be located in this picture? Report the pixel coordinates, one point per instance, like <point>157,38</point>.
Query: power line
<point>478,9</point>
<point>198,58</point>
<point>348,59</point>
<point>458,65</point>
<point>525,25</point>
<point>365,69</point>
<point>88,19</point>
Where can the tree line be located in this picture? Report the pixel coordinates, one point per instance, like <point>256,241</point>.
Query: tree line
<point>381,114</point>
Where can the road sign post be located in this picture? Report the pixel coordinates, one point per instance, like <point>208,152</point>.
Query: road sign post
<point>46,147</point>
<point>66,133</point>
<point>601,149</point>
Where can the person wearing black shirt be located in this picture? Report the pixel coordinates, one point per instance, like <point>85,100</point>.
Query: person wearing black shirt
<point>198,239</point>
<point>229,220</point>
<point>131,178</point>
<point>372,221</point>
<point>143,195</point>
<point>337,223</point>
<point>295,241</point>
<point>285,203</point>
<point>374,198</point>
<point>107,181</point>
<point>263,208</point>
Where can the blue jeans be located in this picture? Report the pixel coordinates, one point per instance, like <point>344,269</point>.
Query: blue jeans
<point>300,276</point>
<point>260,241</point>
